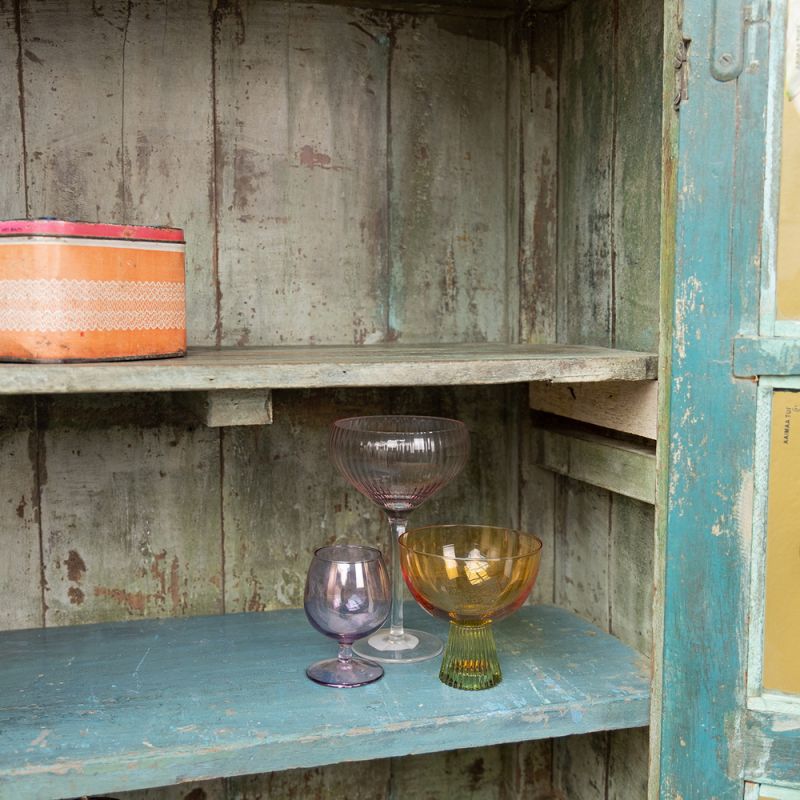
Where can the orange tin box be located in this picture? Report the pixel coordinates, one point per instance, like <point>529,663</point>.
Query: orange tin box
<point>79,291</point>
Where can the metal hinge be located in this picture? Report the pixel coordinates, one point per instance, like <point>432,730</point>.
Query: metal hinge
<point>681,73</point>
<point>732,18</point>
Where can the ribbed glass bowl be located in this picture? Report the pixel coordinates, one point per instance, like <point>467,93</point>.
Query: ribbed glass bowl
<point>470,575</point>
<point>399,462</point>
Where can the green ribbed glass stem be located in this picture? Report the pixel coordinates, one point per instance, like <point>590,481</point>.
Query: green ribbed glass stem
<point>470,657</point>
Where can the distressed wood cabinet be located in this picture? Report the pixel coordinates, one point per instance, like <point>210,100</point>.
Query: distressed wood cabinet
<point>518,214</point>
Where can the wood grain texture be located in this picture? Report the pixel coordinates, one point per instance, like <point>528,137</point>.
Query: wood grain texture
<point>754,355</point>
<point>119,128</point>
<point>282,497</point>
<point>629,407</point>
<point>470,772</point>
<point>12,141</point>
<point>513,177</point>
<point>301,118</point>
<point>229,407</point>
<point>355,780</point>
<point>621,467</point>
<point>701,702</point>
<point>581,766</point>
<point>192,790</point>
<point>73,86</point>
<point>461,8</point>
<point>130,513</point>
<point>585,246</point>
<point>538,514</point>
<point>294,87</point>
<point>20,567</point>
<point>582,546</point>
<point>538,206</point>
<point>771,747</point>
<point>627,764</point>
<point>631,573</point>
<point>167,140</point>
<point>251,706</point>
<point>282,500</point>
<point>447,188</point>
<point>310,367</point>
<point>637,54</point>
<point>529,770</point>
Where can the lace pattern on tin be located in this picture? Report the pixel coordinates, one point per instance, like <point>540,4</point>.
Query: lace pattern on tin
<point>54,304</point>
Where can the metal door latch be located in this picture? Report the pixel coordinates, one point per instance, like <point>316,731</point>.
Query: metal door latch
<point>727,46</point>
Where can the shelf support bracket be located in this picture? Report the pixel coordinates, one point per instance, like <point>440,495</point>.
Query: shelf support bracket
<point>226,408</point>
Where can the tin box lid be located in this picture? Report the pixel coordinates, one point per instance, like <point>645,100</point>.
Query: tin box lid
<point>92,230</point>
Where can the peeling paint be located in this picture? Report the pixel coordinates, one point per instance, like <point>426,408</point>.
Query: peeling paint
<point>75,566</point>
<point>685,303</point>
<point>311,158</point>
<point>41,739</point>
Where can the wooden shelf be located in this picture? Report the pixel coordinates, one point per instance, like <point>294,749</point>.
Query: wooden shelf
<point>102,708</point>
<point>248,368</point>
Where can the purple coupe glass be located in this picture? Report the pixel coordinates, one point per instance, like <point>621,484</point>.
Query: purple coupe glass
<point>347,596</point>
<point>399,462</point>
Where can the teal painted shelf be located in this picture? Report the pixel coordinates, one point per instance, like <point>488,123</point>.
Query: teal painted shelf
<point>102,708</point>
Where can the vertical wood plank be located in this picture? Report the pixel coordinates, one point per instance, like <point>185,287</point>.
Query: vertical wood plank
<point>20,571</point>
<point>202,790</point>
<point>474,772</point>
<point>627,764</point>
<point>631,572</point>
<point>637,173</point>
<point>538,513</point>
<point>20,574</point>
<point>585,245</point>
<point>529,770</point>
<point>447,180</point>
<point>581,766</point>
<point>582,533</point>
<point>167,139</point>
<point>361,780</point>
<point>720,155</point>
<point>282,497</point>
<point>301,131</point>
<point>92,155</point>
<point>538,247</point>
<point>12,145</point>
<point>72,71</point>
<point>118,121</point>
<point>513,172</point>
<point>130,513</point>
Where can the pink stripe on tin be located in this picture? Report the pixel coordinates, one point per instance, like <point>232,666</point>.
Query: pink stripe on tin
<point>96,230</point>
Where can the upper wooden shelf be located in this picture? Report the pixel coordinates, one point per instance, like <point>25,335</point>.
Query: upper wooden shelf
<point>249,368</point>
<point>103,708</point>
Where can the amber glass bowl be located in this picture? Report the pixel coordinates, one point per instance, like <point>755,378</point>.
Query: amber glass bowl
<point>470,575</point>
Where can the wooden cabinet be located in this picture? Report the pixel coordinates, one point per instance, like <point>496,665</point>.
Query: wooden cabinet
<point>445,208</point>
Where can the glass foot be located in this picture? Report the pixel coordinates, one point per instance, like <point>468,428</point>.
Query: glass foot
<point>407,648</point>
<point>344,675</point>
<point>470,658</point>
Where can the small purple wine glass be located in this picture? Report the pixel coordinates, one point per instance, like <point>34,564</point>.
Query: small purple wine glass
<point>347,596</point>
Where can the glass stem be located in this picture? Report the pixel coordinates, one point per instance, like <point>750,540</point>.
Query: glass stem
<point>345,652</point>
<point>398,523</point>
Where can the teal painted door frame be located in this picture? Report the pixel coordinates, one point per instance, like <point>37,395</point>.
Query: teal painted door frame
<point>706,740</point>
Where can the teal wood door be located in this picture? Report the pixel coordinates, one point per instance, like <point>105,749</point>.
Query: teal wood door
<point>716,732</point>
